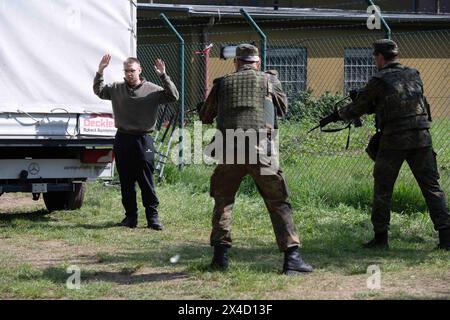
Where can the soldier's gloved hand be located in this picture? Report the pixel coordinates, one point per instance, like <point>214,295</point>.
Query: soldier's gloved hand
<point>329,119</point>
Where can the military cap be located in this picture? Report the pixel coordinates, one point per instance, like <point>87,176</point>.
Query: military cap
<point>385,47</point>
<point>247,52</point>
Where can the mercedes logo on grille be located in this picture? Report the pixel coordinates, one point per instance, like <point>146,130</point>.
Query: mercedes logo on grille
<point>33,168</point>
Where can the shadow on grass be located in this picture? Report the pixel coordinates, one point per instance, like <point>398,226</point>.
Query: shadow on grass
<point>37,215</point>
<point>58,275</point>
<point>43,216</point>
<point>99,226</point>
<point>187,253</point>
<point>124,278</point>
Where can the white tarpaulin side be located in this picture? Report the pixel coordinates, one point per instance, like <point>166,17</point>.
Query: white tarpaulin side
<point>50,51</point>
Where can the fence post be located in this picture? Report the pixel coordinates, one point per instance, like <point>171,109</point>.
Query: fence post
<point>261,34</point>
<point>387,30</point>
<point>182,93</point>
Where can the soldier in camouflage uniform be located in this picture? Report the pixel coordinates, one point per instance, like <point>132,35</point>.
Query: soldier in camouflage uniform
<point>395,96</point>
<point>244,100</point>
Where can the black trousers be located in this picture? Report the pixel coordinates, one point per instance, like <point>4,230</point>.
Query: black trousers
<point>135,156</point>
<point>422,162</point>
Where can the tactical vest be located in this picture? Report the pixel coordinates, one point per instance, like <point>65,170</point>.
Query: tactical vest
<point>244,101</point>
<point>403,106</point>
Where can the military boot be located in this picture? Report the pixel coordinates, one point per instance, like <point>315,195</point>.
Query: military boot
<point>153,222</point>
<point>220,258</point>
<point>380,241</point>
<point>130,222</point>
<point>444,239</point>
<point>293,263</point>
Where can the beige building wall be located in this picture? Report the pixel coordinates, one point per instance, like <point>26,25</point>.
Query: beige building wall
<point>219,67</point>
<point>325,74</point>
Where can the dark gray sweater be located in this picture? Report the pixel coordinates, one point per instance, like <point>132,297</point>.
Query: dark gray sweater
<point>135,109</point>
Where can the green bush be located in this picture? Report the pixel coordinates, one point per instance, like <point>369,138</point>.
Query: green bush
<point>305,106</point>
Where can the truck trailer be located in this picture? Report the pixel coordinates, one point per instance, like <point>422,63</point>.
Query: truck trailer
<point>55,133</point>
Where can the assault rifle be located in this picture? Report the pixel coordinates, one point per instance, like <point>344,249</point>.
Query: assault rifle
<point>334,117</point>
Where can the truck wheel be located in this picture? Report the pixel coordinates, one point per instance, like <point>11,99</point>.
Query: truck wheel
<point>55,200</point>
<point>75,198</point>
<point>66,200</point>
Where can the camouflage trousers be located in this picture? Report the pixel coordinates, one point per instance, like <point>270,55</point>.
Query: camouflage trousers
<point>225,183</point>
<point>422,162</point>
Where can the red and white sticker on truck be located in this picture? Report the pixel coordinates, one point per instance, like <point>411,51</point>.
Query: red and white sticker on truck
<point>97,125</point>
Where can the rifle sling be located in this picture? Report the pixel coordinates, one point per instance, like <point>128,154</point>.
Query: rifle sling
<point>349,126</point>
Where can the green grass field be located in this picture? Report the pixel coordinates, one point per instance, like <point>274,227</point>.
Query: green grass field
<point>331,196</point>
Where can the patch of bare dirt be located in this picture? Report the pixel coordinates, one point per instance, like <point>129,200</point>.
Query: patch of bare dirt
<point>12,201</point>
<point>46,253</point>
<point>420,283</point>
<point>417,283</point>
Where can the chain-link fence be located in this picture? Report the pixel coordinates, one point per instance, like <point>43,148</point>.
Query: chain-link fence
<point>316,72</point>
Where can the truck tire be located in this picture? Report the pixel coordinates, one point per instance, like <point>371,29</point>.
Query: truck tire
<point>75,198</point>
<point>55,200</point>
<point>66,200</point>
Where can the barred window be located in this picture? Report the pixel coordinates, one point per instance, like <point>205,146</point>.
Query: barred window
<point>359,67</point>
<point>291,65</point>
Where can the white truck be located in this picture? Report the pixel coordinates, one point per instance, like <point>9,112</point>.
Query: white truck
<point>55,133</point>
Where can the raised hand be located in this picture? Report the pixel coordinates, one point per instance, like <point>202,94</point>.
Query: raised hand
<point>160,67</point>
<point>104,63</point>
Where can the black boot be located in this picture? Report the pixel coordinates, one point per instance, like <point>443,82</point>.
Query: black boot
<point>379,242</point>
<point>444,239</point>
<point>220,258</point>
<point>129,222</point>
<point>293,262</point>
<point>153,222</point>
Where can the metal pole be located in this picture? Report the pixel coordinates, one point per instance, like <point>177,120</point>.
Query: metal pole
<point>206,81</point>
<point>181,53</point>
<point>387,30</point>
<point>414,6</point>
<point>261,34</point>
